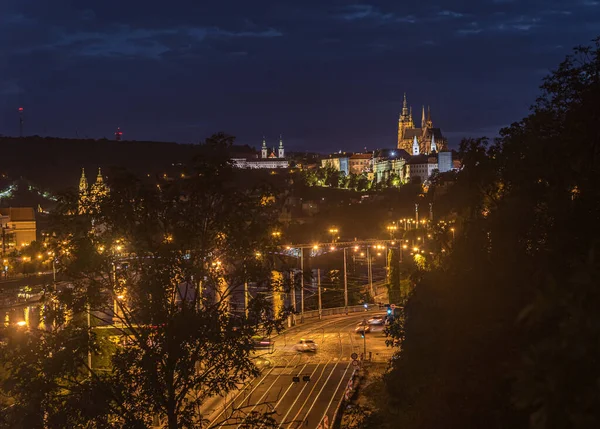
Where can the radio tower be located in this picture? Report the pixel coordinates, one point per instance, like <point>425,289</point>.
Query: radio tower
<point>118,134</point>
<point>20,122</point>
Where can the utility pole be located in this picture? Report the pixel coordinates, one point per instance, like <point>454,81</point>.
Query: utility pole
<point>89,353</point>
<point>246,298</point>
<point>319,291</point>
<point>364,340</point>
<point>293,281</point>
<point>302,285</point>
<point>345,284</point>
<point>370,270</point>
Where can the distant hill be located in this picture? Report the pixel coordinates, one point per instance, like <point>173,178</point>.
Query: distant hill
<point>55,164</point>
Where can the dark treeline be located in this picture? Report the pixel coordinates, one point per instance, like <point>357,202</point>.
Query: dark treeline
<point>505,332</point>
<point>55,163</point>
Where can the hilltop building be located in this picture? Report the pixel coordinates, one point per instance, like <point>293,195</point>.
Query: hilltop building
<point>427,138</point>
<point>272,159</point>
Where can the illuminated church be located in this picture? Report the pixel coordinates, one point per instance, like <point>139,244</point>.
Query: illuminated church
<point>89,197</point>
<point>428,138</point>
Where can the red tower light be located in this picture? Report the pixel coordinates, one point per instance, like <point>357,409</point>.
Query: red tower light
<point>20,109</point>
<point>118,134</point>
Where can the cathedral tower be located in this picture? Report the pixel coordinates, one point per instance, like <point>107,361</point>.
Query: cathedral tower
<point>404,121</point>
<point>83,191</point>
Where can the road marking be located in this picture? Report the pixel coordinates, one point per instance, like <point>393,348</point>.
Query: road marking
<point>326,381</point>
<point>307,398</point>
<point>232,402</point>
<point>268,391</point>
<point>332,396</point>
<point>302,390</point>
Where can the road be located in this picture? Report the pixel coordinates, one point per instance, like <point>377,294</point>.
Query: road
<point>302,404</point>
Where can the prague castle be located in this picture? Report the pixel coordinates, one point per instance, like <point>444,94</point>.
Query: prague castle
<point>428,138</point>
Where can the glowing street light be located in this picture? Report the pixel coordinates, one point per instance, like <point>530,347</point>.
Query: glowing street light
<point>333,231</point>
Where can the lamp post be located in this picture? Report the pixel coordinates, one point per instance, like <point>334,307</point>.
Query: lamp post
<point>391,229</point>
<point>333,231</point>
<point>319,292</point>
<point>345,284</point>
<point>301,285</point>
<point>452,230</point>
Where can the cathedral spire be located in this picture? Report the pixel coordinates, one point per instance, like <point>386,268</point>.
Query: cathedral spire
<point>429,122</point>
<point>99,178</point>
<point>416,149</point>
<point>83,184</point>
<point>410,114</point>
<point>404,106</point>
<point>433,147</point>
<point>423,123</point>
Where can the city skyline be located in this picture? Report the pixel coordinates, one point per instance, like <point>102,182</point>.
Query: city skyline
<point>328,75</point>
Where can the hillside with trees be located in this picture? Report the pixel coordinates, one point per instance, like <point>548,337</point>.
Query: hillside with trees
<point>505,331</point>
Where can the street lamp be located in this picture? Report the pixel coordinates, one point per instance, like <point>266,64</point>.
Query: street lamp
<point>333,231</point>
<point>392,229</point>
<point>452,229</point>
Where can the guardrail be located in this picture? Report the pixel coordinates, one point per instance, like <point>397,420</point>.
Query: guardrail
<point>340,310</point>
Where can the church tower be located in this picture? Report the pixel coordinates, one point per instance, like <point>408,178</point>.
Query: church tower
<point>423,122</point>
<point>83,184</point>
<point>415,148</point>
<point>264,152</point>
<point>281,152</point>
<point>99,189</point>
<point>83,191</point>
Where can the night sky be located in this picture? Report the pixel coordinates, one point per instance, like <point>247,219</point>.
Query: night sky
<point>329,75</point>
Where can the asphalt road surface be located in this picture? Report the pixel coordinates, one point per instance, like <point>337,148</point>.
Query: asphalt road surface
<point>302,404</point>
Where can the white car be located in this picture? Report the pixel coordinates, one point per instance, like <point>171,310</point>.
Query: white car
<point>305,346</point>
<point>376,320</point>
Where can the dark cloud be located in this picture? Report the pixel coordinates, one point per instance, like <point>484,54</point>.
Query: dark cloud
<point>326,74</point>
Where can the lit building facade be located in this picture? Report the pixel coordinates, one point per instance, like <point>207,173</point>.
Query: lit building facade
<point>360,163</point>
<point>337,162</point>
<point>445,161</point>
<point>268,159</point>
<point>18,227</point>
<point>387,163</point>
<point>420,168</point>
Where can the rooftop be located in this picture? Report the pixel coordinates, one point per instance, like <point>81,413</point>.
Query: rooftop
<point>17,214</point>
